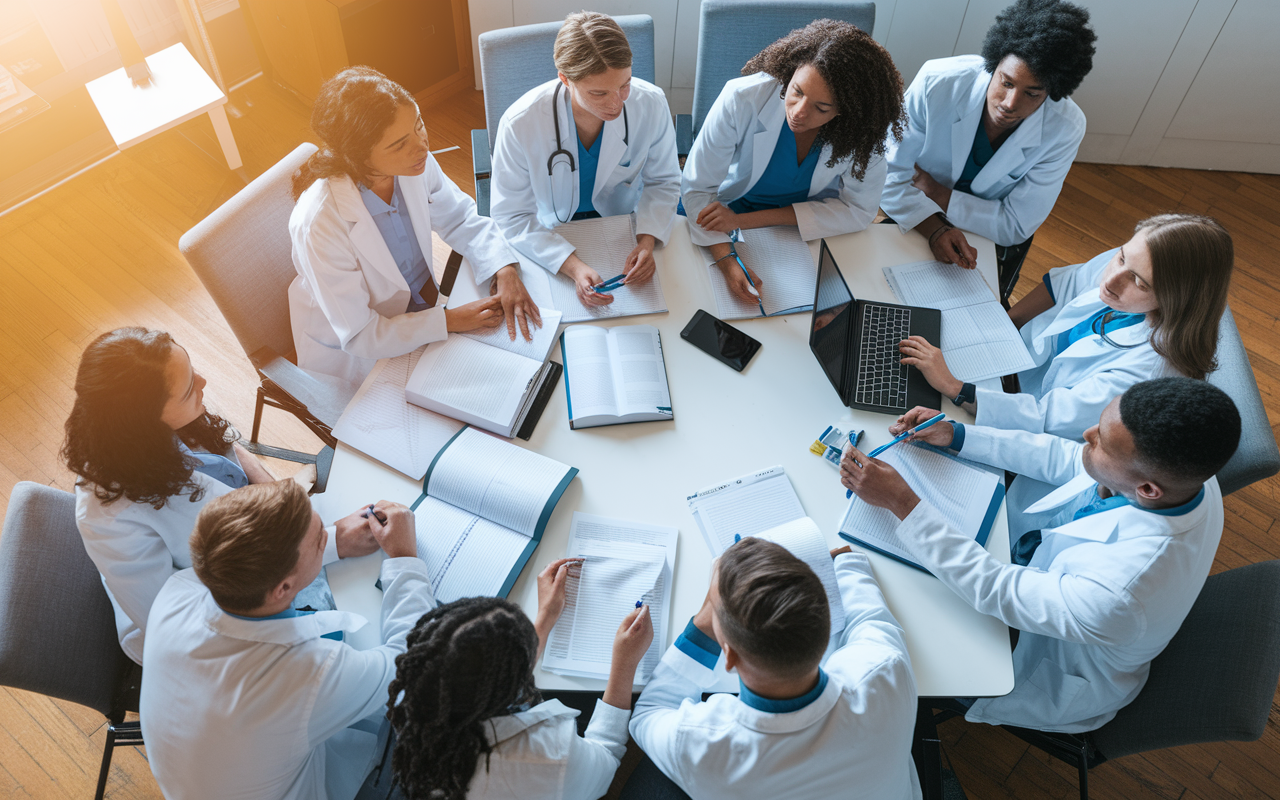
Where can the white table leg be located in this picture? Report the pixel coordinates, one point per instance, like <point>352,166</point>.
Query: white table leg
<point>218,115</point>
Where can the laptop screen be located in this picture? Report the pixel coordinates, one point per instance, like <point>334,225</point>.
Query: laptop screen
<point>829,333</point>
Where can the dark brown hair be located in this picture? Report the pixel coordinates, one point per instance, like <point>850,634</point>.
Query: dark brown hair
<point>773,608</point>
<point>590,43</point>
<point>1192,258</point>
<point>245,542</point>
<point>861,76</point>
<point>352,111</point>
<point>115,440</point>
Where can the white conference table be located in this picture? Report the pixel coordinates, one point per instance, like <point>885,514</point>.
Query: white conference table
<point>726,424</point>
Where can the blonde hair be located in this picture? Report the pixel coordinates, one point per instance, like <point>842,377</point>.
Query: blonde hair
<point>590,43</point>
<point>1191,263</point>
<point>246,542</point>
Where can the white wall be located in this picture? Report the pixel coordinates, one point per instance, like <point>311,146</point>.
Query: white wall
<point>1188,83</point>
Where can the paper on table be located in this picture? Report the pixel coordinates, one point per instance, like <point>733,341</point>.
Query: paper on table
<point>476,380</point>
<point>803,540</point>
<point>466,555</point>
<point>782,261</point>
<point>744,506</point>
<point>380,423</point>
<point>543,338</point>
<point>961,493</point>
<point>979,341</point>
<point>604,245</point>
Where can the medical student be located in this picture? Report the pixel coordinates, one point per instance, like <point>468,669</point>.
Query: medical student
<point>1146,310</point>
<point>469,721</point>
<point>245,696</point>
<point>799,727</point>
<point>367,203</point>
<point>990,137</point>
<point>1105,567</point>
<point>593,142</point>
<point>800,140</point>
<point>148,457</point>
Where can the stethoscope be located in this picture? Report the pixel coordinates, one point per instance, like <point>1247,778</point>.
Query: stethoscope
<point>1099,326</point>
<point>560,151</point>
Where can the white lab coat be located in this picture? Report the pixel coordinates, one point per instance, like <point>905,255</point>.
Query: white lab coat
<point>1013,194</point>
<point>853,740</point>
<point>1065,393</point>
<point>538,754</point>
<point>1101,597</point>
<point>642,176</point>
<point>734,147</point>
<point>136,547</point>
<point>234,709</point>
<point>347,305</point>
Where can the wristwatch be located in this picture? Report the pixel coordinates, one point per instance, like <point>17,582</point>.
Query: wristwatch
<point>968,394</point>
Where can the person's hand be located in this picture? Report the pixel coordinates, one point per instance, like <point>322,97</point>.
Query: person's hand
<point>840,550</point>
<point>738,283</point>
<point>517,306</point>
<point>917,352</point>
<point>950,247</point>
<point>393,526</point>
<point>938,434</point>
<point>717,217</point>
<point>933,190</point>
<point>485,313</point>
<point>353,535</point>
<point>876,483</point>
<point>551,582</point>
<point>584,278</point>
<point>632,639</point>
<point>640,265</point>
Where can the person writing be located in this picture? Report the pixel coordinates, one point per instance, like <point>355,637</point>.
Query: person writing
<point>594,142</point>
<point>990,138</point>
<point>469,721</point>
<point>1105,566</point>
<point>1148,309</point>
<point>366,204</point>
<point>798,141</point>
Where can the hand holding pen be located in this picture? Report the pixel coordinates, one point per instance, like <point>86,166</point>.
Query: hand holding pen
<point>909,433</point>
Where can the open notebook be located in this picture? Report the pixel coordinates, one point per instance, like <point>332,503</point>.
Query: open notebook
<point>614,375</point>
<point>966,494</point>
<point>604,245</point>
<point>484,506</point>
<point>782,260</point>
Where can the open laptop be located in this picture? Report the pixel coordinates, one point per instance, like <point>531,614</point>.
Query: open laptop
<point>856,342</point>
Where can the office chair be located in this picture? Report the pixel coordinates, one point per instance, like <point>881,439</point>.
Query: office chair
<point>1257,457</point>
<point>57,627</point>
<point>514,60</point>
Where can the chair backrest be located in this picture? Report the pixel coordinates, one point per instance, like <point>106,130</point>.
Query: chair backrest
<point>57,627</point>
<point>732,32</point>
<point>242,254</point>
<point>1216,679</point>
<point>1258,456</point>
<point>514,60</point>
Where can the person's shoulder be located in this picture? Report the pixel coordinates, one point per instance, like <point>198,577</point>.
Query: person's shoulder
<point>315,199</point>
<point>959,69</point>
<point>1066,116</point>
<point>753,85</point>
<point>530,102</point>
<point>647,93</point>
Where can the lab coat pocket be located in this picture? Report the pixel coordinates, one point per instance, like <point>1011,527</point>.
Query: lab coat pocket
<point>626,172</point>
<point>1059,688</point>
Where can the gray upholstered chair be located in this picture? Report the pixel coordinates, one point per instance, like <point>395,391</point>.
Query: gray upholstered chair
<point>243,255</point>
<point>57,627</point>
<point>1257,457</point>
<point>514,60</point>
<point>731,32</point>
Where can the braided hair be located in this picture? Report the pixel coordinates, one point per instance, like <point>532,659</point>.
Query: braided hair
<point>466,662</point>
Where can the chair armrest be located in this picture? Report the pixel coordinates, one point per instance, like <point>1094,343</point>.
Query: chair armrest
<point>482,197</point>
<point>684,134</point>
<point>480,153</point>
<point>325,397</point>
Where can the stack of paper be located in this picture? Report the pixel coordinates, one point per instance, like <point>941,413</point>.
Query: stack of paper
<point>744,506</point>
<point>604,244</point>
<point>784,264</point>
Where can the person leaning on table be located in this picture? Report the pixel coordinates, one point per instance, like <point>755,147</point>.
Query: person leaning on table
<point>990,138</point>
<point>1105,568</point>
<point>799,140</point>
<point>367,203</point>
<point>594,142</point>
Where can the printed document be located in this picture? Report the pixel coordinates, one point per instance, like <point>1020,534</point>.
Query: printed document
<point>604,244</point>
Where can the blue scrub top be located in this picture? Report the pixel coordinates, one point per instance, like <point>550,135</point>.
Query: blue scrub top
<point>397,231</point>
<point>784,182</point>
<point>979,155</point>
<point>220,468</point>
<point>1093,325</point>
<point>588,160</point>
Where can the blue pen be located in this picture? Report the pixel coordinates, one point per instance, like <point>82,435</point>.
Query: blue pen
<point>639,603</point>
<point>374,511</point>
<point>899,438</point>
<point>607,286</point>
<point>733,237</point>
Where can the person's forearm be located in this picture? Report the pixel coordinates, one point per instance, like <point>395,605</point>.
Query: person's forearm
<point>254,469</point>
<point>571,265</point>
<point>720,250</point>
<point>767,218</point>
<point>930,224</point>
<point>1037,301</point>
<point>617,692</point>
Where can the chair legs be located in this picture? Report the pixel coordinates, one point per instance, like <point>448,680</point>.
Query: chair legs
<point>122,734</point>
<point>323,460</point>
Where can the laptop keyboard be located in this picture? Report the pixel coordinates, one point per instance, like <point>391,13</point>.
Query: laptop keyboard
<point>882,381</point>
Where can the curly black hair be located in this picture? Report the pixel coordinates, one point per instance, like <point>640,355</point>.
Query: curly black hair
<point>1052,37</point>
<point>860,74</point>
<point>1184,428</point>
<point>467,662</point>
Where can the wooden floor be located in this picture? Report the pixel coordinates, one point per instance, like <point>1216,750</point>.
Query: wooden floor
<point>101,251</point>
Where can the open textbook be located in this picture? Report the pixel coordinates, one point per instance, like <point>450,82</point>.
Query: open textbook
<point>604,244</point>
<point>614,375</point>
<point>487,380</point>
<point>979,341</point>
<point>484,506</point>
<point>624,563</point>
<point>782,261</point>
<point>966,494</point>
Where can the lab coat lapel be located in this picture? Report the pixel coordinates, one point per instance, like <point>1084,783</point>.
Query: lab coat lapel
<point>823,176</point>
<point>1010,155</point>
<point>612,149</point>
<point>418,205</point>
<point>966,125</point>
<point>365,235</point>
<point>768,125</point>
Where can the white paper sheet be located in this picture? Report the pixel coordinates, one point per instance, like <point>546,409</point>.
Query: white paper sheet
<point>979,341</point>
<point>744,506</point>
<point>604,245</point>
<point>472,382</point>
<point>466,555</point>
<point>782,261</point>
<point>380,423</point>
<point>544,338</point>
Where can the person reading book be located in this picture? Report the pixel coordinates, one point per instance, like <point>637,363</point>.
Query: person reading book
<point>799,727</point>
<point>469,721</point>
<point>1104,568</point>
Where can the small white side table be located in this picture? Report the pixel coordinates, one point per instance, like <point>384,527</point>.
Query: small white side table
<point>179,90</point>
